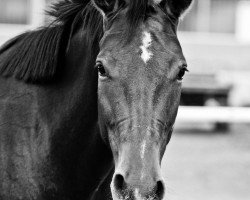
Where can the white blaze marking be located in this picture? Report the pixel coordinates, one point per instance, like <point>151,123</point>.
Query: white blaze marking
<point>143,148</point>
<point>146,43</point>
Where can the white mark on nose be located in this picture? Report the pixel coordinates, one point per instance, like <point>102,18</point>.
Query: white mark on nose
<point>137,195</point>
<point>146,43</point>
<point>157,1</point>
<point>142,154</point>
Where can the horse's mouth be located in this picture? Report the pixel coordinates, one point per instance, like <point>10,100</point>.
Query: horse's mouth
<point>130,193</point>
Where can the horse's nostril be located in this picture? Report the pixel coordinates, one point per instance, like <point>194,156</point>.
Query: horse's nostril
<point>119,182</point>
<point>159,191</point>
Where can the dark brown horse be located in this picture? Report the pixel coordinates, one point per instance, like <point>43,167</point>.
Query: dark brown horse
<point>67,134</point>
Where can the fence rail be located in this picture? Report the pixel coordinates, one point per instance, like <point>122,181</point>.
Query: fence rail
<point>200,114</point>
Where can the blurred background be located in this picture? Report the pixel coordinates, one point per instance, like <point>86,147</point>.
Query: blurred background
<point>208,157</point>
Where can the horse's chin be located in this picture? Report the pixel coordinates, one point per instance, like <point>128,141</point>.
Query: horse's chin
<point>135,196</point>
<point>128,198</point>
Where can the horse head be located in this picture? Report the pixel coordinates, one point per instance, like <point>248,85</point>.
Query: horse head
<point>141,67</point>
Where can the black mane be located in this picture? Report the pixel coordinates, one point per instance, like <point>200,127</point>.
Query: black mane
<point>34,56</point>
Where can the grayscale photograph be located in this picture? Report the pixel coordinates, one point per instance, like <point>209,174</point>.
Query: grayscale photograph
<point>124,99</point>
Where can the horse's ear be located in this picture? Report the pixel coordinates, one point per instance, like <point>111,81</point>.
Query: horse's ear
<point>175,7</point>
<point>105,6</point>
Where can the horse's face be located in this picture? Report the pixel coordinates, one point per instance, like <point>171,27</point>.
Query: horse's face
<point>139,91</point>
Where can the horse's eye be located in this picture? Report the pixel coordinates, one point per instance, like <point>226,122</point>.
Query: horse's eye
<point>101,69</point>
<point>182,73</point>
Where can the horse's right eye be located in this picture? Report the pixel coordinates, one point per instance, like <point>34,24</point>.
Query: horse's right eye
<point>101,69</point>
<point>182,73</point>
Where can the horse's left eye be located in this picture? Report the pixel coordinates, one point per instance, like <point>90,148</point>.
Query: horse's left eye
<point>101,69</point>
<point>182,73</point>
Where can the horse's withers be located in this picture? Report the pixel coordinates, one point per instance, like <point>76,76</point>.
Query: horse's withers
<point>139,91</point>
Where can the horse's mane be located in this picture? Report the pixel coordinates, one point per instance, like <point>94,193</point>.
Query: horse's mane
<point>35,56</point>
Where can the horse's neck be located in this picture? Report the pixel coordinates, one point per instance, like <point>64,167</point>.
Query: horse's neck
<point>51,131</point>
<point>75,96</point>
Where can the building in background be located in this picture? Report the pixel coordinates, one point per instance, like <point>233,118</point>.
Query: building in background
<point>219,16</point>
<point>17,16</point>
<point>211,16</point>
<point>215,37</point>
<point>22,12</point>
<point>20,8</point>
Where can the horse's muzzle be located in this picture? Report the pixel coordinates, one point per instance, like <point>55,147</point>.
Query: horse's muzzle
<point>122,189</point>
<point>137,176</point>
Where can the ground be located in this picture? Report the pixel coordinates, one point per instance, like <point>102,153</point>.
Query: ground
<point>205,165</point>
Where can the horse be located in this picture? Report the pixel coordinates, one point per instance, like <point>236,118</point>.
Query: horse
<point>88,102</point>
